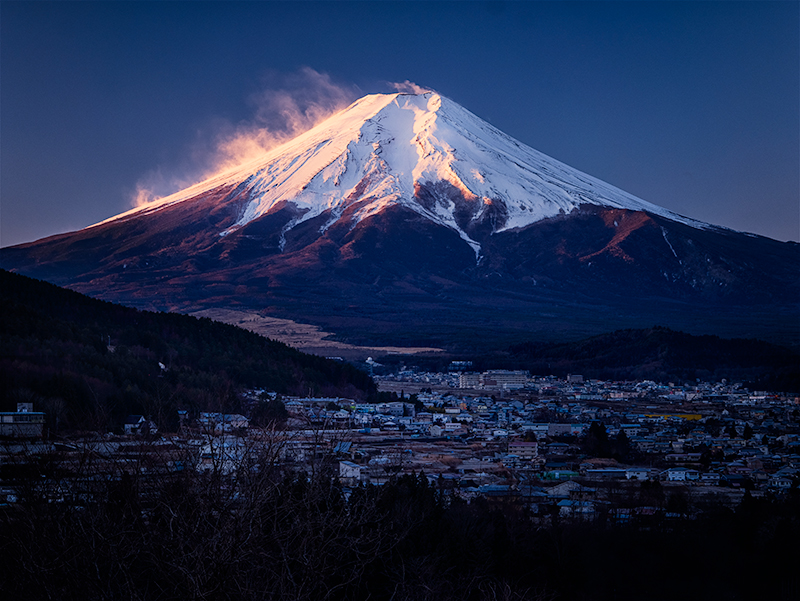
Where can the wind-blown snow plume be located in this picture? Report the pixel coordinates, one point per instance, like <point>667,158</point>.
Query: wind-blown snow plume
<point>287,106</point>
<point>302,101</point>
<point>409,87</point>
<point>143,195</point>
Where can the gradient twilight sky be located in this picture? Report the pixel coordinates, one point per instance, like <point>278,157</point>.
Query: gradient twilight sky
<point>694,106</point>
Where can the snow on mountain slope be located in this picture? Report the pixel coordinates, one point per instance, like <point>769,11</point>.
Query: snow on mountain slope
<point>422,151</point>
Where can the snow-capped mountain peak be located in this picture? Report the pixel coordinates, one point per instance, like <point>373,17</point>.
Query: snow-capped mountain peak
<point>422,151</point>
<point>407,218</point>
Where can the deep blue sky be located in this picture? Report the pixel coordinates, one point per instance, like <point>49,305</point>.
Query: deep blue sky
<point>692,106</point>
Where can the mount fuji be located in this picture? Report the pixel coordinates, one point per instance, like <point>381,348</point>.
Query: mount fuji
<point>406,218</point>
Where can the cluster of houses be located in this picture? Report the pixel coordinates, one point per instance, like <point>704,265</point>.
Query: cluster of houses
<point>524,439</point>
<point>702,442</point>
<point>504,436</point>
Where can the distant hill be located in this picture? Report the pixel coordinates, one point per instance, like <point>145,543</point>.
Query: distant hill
<point>90,363</point>
<point>665,355</point>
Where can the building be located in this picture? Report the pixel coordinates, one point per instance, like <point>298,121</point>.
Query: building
<point>681,474</point>
<point>524,450</point>
<point>350,473</point>
<point>222,456</point>
<point>22,423</point>
<point>222,422</point>
<point>504,379</point>
<point>637,473</point>
<point>469,380</point>
<point>134,424</point>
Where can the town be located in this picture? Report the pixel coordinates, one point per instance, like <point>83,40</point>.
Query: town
<point>561,448</point>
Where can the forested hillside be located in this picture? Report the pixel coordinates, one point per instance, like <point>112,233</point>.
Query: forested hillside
<point>90,363</point>
<point>664,355</point>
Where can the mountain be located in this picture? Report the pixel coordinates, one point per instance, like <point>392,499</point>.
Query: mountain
<point>407,219</point>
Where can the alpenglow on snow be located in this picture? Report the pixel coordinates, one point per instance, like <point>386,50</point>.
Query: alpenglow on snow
<point>385,148</point>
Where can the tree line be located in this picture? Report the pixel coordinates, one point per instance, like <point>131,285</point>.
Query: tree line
<point>664,355</point>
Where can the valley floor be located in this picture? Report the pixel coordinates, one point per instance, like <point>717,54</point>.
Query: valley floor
<point>305,337</point>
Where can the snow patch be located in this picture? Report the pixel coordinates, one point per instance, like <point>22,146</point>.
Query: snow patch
<point>664,233</point>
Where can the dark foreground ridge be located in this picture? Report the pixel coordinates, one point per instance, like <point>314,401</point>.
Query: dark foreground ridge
<point>89,363</point>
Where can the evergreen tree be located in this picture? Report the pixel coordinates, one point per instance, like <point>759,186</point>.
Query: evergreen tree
<point>595,441</point>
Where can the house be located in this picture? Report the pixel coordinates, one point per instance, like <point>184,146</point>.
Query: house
<point>222,456</point>
<point>537,429</point>
<point>557,448</point>
<point>460,431</point>
<point>631,429</point>
<point>395,408</point>
<point>780,482</point>
<point>576,509</point>
<point>222,422</point>
<point>137,424</point>
<point>620,515</point>
<point>710,478</point>
<point>637,473</point>
<point>563,490</point>
<point>342,447</point>
<point>738,467</point>
<point>341,416</point>
<point>583,493</point>
<point>350,472</point>
<point>497,490</point>
<point>559,429</point>
<point>559,474</point>
<point>681,474</point>
<point>607,473</point>
<point>734,480</point>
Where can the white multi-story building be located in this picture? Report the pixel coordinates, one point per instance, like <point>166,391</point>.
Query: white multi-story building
<point>504,379</point>
<point>469,380</point>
